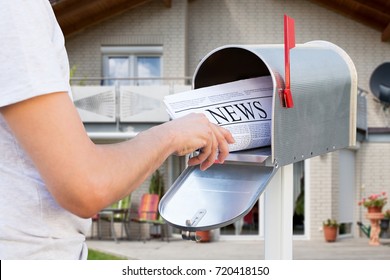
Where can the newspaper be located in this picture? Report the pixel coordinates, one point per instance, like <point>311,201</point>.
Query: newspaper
<point>243,107</point>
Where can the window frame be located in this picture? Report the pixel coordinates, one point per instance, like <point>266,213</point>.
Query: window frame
<point>132,53</point>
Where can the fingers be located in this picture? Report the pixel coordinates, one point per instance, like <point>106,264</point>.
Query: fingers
<point>224,138</point>
<point>206,156</point>
<point>212,155</point>
<point>217,144</point>
<point>193,132</point>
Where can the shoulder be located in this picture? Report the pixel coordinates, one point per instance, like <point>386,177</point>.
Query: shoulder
<point>32,54</point>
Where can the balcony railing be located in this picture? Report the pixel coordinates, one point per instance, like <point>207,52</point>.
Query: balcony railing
<point>125,106</point>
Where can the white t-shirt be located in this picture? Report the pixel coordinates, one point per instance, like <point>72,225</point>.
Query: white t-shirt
<point>33,61</point>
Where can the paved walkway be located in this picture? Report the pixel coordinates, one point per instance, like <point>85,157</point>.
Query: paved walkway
<point>347,249</point>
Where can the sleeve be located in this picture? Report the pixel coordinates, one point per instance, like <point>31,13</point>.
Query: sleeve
<point>33,59</point>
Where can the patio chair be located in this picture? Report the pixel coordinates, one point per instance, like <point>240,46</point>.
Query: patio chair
<point>148,213</point>
<point>119,212</point>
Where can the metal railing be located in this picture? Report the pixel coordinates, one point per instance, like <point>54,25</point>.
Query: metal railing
<point>102,80</point>
<point>108,111</point>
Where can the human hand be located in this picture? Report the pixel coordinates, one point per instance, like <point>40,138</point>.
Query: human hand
<point>195,132</point>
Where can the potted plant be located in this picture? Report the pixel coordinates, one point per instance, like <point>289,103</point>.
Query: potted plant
<point>374,203</point>
<point>156,186</point>
<point>330,227</point>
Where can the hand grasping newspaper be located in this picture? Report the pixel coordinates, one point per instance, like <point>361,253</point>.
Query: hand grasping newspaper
<point>243,107</point>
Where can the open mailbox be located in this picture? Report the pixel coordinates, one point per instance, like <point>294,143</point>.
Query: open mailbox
<point>323,119</point>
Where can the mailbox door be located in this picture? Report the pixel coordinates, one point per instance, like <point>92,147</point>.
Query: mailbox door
<point>204,200</point>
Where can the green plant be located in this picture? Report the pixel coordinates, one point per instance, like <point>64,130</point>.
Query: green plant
<point>157,184</point>
<point>72,74</point>
<point>374,200</point>
<point>72,71</point>
<point>330,223</point>
<point>300,204</point>
<point>387,214</point>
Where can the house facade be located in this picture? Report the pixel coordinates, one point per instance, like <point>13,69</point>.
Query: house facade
<point>158,44</point>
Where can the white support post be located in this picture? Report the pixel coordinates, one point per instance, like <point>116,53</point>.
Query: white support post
<point>278,216</point>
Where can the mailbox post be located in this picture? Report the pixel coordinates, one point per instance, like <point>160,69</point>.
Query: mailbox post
<point>322,120</point>
<point>278,207</point>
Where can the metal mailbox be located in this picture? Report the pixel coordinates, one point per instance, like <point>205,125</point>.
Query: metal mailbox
<point>323,119</point>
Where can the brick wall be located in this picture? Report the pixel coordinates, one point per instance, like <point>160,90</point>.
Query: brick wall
<point>150,24</point>
<point>321,193</point>
<point>373,163</point>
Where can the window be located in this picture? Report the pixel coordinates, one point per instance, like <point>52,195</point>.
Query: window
<point>124,62</point>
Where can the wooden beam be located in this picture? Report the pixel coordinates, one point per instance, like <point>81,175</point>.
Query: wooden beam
<point>358,11</point>
<point>61,7</point>
<point>378,5</point>
<point>386,34</point>
<point>75,18</point>
<point>167,3</point>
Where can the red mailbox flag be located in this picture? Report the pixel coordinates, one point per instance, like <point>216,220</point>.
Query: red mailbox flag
<point>289,43</point>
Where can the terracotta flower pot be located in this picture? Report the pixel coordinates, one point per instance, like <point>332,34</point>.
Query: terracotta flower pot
<point>374,209</point>
<point>330,233</point>
<point>204,236</point>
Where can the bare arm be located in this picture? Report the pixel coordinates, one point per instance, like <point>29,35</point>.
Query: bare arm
<point>84,177</point>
